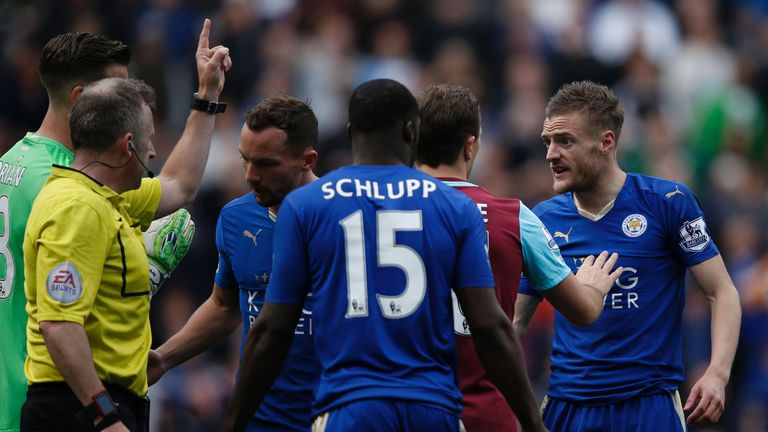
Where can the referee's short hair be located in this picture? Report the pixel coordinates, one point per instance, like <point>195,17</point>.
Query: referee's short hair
<point>107,109</point>
<point>70,58</point>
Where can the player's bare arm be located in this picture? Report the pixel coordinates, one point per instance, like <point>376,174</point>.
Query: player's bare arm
<point>71,353</point>
<point>183,171</point>
<point>500,352</point>
<point>580,298</point>
<point>214,320</point>
<point>264,353</point>
<point>525,307</point>
<point>706,401</point>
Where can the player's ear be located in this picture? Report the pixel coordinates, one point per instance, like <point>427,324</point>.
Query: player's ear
<point>410,131</point>
<point>349,131</point>
<point>75,92</point>
<point>607,142</point>
<point>310,159</point>
<point>470,147</point>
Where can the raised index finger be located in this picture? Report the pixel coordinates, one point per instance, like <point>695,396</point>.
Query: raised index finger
<point>204,35</point>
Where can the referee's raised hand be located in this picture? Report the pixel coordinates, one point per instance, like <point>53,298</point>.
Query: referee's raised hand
<point>211,65</point>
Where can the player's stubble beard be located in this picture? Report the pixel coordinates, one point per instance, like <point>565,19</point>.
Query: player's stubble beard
<point>267,198</point>
<point>272,197</point>
<point>583,175</point>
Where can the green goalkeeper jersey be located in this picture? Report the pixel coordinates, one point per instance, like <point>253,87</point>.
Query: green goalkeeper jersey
<point>23,171</point>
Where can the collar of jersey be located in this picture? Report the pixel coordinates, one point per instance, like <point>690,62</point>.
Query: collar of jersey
<point>456,182</point>
<point>592,216</point>
<point>606,208</point>
<point>39,139</point>
<point>93,184</point>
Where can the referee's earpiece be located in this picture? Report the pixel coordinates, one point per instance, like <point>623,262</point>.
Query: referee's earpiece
<point>150,174</point>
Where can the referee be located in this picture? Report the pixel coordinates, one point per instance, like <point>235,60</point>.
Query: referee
<point>87,282</point>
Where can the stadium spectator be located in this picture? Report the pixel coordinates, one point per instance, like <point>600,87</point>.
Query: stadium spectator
<point>86,266</point>
<point>277,147</point>
<point>449,141</point>
<point>379,246</point>
<point>623,371</point>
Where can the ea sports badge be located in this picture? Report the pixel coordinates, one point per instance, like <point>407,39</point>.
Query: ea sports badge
<point>634,225</point>
<point>64,283</point>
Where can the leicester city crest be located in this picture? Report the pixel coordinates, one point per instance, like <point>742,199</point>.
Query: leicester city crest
<point>634,225</point>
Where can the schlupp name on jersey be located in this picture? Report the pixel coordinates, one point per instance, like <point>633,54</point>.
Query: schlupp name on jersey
<point>349,188</point>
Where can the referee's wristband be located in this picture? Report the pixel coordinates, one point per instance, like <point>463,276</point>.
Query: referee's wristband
<point>207,106</point>
<point>107,422</point>
<point>102,406</point>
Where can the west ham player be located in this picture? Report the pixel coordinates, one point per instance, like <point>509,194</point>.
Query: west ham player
<point>623,371</point>
<point>449,141</point>
<point>380,245</point>
<point>277,147</point>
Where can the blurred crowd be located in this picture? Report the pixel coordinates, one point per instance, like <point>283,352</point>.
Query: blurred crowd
<point>692,76</point>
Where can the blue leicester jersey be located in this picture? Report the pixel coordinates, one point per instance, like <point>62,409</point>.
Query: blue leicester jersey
<point>244,239</point>
<point>635,347</point>
<point>380,248</point>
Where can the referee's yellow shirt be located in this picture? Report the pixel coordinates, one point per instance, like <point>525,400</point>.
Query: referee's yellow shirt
<point>85,262</point>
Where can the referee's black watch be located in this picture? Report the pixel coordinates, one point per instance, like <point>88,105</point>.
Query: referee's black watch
<point>210,107</point>
<point>102,406</point>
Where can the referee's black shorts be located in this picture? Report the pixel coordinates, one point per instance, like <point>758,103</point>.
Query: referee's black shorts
<point>53,407</point>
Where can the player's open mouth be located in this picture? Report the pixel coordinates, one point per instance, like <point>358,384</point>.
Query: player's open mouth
<point>558,171</point>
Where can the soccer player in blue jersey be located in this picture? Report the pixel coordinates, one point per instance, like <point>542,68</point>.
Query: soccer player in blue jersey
<point>623,371</point>
<point>277,147</point>
<point>380,245</point>
<point>518,243</point>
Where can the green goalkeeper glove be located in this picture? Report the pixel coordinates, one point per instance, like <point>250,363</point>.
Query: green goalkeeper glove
<point>167,241</point>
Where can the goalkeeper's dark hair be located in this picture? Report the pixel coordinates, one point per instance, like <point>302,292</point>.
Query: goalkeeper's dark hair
<point>289,114</point>
<point>72,58</point>
<point>380,105</point>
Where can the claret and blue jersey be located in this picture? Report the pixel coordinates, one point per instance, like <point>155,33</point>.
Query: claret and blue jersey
<point>244,238</point>
<point>635,347</point>
<point>380,249</point>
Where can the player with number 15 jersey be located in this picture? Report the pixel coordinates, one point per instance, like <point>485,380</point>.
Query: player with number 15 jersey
<point>384,246</point>
<point>380,245</point>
